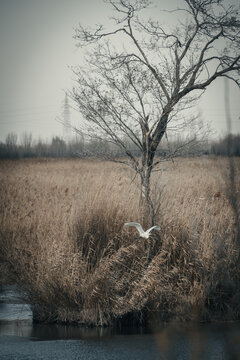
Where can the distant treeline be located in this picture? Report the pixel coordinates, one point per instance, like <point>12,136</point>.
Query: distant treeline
<point>29,148</point>
<point>230,146</point>
<point>79,147</point>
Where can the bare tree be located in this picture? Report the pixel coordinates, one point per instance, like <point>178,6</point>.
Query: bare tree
<point>11,145</point>
<point>11,140</point>
<point>137,89</point>
<point>26,142</point>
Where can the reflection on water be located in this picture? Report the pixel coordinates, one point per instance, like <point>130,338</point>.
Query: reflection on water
<point>200,341</point>
<point>62,332</point>
<point>169,341</point>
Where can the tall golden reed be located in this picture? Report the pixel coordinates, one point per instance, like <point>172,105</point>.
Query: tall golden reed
<point>62,239</point>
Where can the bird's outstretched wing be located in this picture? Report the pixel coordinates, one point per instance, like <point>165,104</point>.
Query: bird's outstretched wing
<point>137,225</point>
<point>153,227</point>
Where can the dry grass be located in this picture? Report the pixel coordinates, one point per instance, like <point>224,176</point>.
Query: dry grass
<point>62,239</point>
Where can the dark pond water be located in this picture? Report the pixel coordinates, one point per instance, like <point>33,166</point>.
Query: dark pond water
<point>21,339</point>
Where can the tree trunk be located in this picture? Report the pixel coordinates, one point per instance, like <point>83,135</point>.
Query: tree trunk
<point>149,147</point>
<point>147,206</point>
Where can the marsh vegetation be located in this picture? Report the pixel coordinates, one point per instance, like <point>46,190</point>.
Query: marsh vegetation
<point>62,240</point>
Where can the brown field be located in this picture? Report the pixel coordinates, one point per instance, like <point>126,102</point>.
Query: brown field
<point>62,239</point>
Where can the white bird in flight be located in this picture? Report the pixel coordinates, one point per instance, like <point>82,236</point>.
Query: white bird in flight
<point>143,234</point>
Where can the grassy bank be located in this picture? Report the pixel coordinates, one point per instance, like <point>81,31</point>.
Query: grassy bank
<point>62,238</point>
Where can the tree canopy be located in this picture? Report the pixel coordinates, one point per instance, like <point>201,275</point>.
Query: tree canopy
<point>140,74</point>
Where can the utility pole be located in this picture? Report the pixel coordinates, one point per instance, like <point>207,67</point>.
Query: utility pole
<point>66,120</point>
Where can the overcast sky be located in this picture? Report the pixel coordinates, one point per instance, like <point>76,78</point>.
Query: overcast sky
<point>37,48</point>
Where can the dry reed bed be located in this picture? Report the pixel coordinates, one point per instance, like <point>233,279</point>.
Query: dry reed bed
<point>62,238</point>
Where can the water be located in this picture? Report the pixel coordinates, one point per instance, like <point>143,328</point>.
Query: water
<point>21,339</point>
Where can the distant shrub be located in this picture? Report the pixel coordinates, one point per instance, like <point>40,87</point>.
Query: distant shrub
<point>229,146</point>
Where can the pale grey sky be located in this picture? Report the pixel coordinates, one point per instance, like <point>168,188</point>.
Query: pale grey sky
<point>37,48</point>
